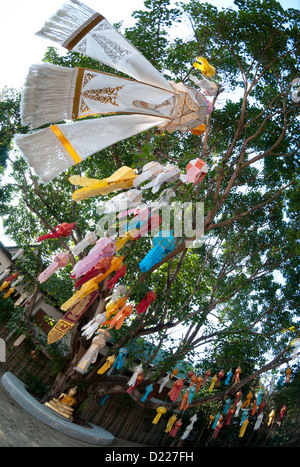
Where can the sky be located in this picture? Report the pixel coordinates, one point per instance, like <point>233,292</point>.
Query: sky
<point>20,47</point>
<point>20,19</point>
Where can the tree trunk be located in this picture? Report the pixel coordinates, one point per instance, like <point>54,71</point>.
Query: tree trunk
<point>78,347</point>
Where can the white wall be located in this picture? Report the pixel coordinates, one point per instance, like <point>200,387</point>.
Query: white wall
<point>5,262</point>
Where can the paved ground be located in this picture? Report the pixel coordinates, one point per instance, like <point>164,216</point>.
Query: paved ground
<point>18,428</point>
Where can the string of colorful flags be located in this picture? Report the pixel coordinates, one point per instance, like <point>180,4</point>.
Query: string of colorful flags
<point>232,407</point>
<point>53,94</point>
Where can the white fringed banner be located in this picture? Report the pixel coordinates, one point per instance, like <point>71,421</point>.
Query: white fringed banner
<point>81,29</point>
<point>49,153</point>
<point>54,94</point>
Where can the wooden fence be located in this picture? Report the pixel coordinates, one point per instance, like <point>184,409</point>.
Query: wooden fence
<point>119,414</point>
<point>30,366</point>
<point>122,417</point>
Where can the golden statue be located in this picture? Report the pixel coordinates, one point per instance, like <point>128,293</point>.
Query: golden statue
<point>63,405</point>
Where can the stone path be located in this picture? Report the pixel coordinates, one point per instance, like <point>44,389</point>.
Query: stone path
<point>18,428</point>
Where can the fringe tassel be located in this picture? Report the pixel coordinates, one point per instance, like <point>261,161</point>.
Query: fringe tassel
<point>44,153</point>
<point>48,94</point>
<point>62,25</point>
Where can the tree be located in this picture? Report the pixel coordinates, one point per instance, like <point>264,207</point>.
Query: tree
<point>226,295</point>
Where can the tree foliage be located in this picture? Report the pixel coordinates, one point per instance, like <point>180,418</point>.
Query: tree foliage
<point>233,296</point>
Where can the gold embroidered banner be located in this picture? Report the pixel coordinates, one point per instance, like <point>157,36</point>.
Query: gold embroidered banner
<point>71,317</point>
